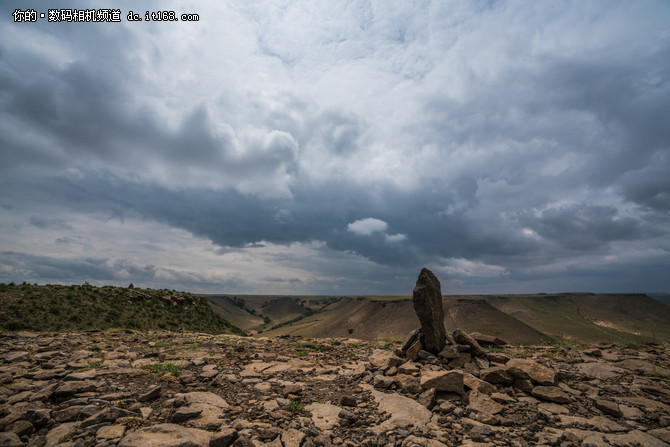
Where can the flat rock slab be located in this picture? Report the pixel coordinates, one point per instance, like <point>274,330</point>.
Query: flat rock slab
<point>635,437</point>
<point>403,410</point>
<point>551,394</point>
<point>209,405</point>
<point>71,388</point>
<point>83,375</point>
<point>482,403</point>
<point>640,366</point>
<point>598,370</point>
<point>646,404</point>
<point>292,438</point>
<point>166,435</point>
<point>59,433</point>
<point>10,440</point>
<point>264,369</point>
<point>110,432</point>
<point>17,356</point>
<point>325,416</point>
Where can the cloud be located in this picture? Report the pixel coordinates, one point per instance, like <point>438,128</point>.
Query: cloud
<point>398,237</point>
<point>509,145</point>
<point>367,226</point>
<point>370,225</point>
<point>49,222</point>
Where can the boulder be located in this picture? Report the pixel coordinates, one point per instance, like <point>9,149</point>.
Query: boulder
<point>488,340</point>
<point>223,438</point>
<point>551,394</point>
<point>412,338</point>
<point>427,300</point>
<point>384,360</point>
<point>496,374</point>
<point>465,339</point>
<point>539,374</point>
<point>412,353</point>
<point>443,381</point>
<point>474,383</point>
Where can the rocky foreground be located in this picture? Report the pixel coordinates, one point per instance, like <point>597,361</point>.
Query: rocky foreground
<point>185,389</point>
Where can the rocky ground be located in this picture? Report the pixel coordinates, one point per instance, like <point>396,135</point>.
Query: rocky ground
<point>185,389</point>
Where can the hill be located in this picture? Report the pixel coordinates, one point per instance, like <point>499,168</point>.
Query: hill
<point>233,311</point>
<point>662,297</point>
<point>616,318</point>
<point>474,314</point>
<point>518,319</point>
<point>66,308</point>
<point>374,318</point>
<point>256,313</point>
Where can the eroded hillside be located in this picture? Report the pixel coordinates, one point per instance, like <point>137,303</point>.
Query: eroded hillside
<point>519,319</point>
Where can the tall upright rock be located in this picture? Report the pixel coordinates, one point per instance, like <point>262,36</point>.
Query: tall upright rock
<point>427,299</point>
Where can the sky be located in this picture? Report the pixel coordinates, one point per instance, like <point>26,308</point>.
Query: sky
<point>321,147</point>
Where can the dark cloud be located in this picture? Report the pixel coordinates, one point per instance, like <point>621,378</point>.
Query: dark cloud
<point>502,159</point>
<point>649,187</point>
<point>49,222</point>
<point>586,227</point>
<point>34,268</point>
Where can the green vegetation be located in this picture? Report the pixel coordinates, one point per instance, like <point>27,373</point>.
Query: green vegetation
<point>95,365</point>
<point>621,319</point>
<point>382,344</point>
<point>294,320</point>
<point>569,343</point>
<point>160,369</point>
<point>295,407</point>
<point>67,308</point>
<point>659,374</point>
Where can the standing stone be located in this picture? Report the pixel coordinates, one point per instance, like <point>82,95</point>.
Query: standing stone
<point>427,299</point>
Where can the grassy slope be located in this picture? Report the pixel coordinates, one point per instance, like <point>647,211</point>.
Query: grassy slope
<point>522,319</point>
<point>475,314</point>
<point>57,308</point>
<point>235,314</point>
<point>262,312</point>
<point>371,318</point>
<point>631,318</point>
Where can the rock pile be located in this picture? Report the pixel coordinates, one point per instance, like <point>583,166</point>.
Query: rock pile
<point>186,389</point>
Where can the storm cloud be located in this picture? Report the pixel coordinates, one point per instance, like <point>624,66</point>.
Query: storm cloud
<point>306,147</point>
